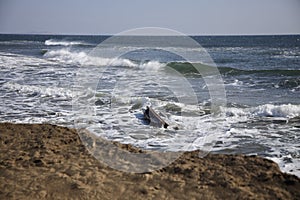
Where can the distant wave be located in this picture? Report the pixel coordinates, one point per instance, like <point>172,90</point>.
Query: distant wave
<point>54,42</point>
<point>19,42</point>
<point>267,72</point>
<point>82,58</point>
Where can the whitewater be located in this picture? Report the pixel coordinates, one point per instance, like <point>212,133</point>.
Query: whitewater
<point>260,74</point>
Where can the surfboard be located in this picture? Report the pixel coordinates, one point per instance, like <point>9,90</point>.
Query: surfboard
<point>154,118</point>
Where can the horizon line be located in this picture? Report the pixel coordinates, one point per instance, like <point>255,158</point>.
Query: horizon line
<point>107,34</point>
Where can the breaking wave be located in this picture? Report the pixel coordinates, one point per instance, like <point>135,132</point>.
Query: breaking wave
<point>83,59</point>
<point>53,42</point>
<point>287,111</point>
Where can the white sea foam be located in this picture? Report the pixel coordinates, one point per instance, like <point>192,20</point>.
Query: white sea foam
<point>39,90</point>
<point>236,83</point>
<point>152,65</point>
<point>270,110</point>
<point>84,59</point>
<point>267,110</point>
<point>268,137</point>
<point>20,62</point>
<point>287,53</point>
<point>288,167</point>
<point>53,42</point>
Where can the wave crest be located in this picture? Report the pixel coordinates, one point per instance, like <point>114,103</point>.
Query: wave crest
<point>287,111</point>
<point>54,42</point>
<point>83,59</point>
<point>80,57</point>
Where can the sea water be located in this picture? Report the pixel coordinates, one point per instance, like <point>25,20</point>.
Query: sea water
<point>40,81</point>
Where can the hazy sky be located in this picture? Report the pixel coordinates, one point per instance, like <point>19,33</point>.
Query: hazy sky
<point>200,17</point>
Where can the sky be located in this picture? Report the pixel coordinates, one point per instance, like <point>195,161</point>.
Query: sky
<point>193,17</point>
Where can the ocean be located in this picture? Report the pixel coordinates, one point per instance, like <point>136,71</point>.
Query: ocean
<point>232,94</point>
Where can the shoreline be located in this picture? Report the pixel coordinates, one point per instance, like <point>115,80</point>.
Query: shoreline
<point>50,162</point>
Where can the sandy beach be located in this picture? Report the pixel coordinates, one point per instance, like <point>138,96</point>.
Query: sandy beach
<point>50,162</point>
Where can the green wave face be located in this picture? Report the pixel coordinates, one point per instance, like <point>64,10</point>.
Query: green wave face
<point>200,69</point>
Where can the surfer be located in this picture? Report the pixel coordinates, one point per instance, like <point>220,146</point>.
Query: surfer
<point>154,119</point>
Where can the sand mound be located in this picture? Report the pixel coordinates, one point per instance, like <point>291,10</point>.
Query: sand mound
<point>50,162</point>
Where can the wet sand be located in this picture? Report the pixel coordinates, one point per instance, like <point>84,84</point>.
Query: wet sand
<point>50,162</point>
